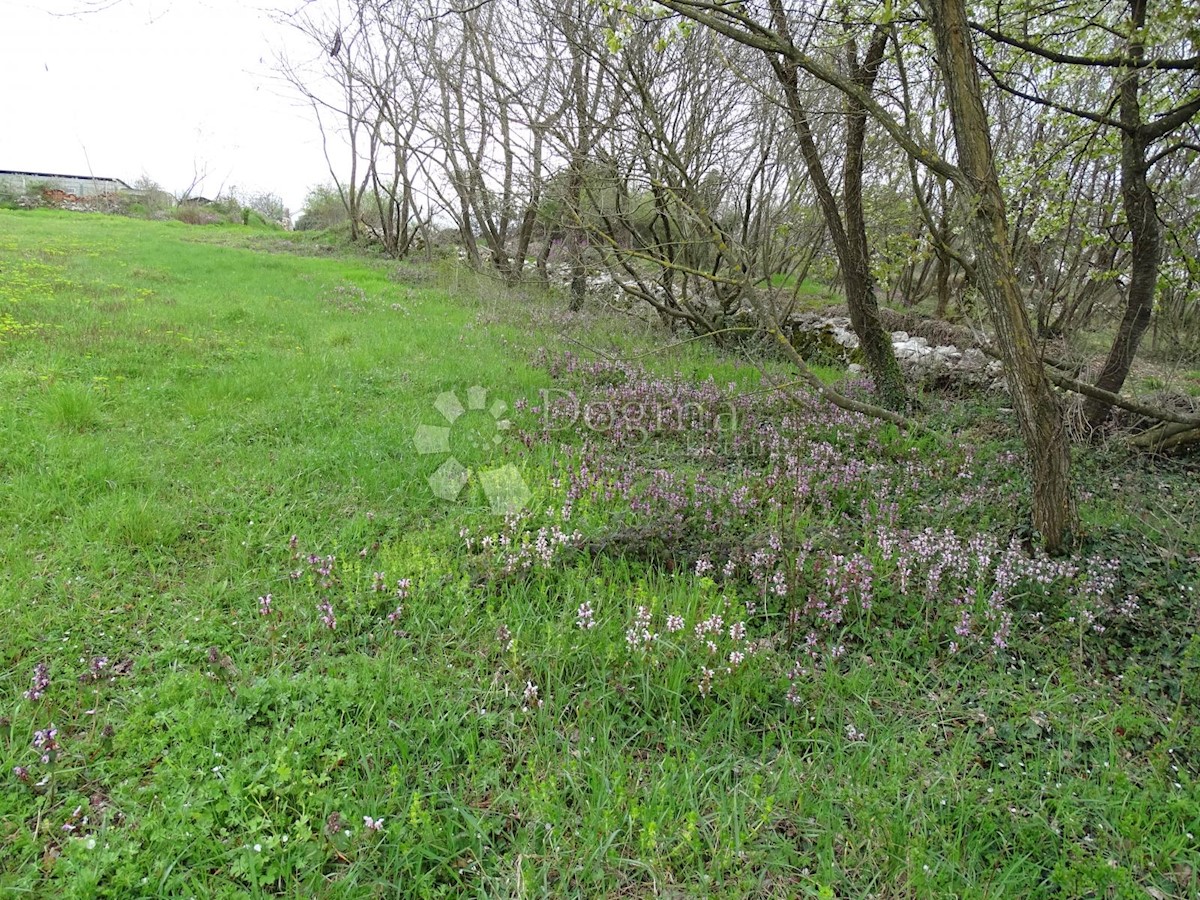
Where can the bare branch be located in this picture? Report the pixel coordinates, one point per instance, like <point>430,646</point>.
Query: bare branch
<point>1174,148</point>
<point>1115,61</point>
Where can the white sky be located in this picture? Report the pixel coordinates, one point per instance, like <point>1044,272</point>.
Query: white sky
<point>163,88</point>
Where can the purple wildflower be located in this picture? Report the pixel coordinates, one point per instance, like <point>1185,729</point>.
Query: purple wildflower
<point>46,741</point>
<point>639,634</point>
<point>530,697</point>
<point>39,682</point>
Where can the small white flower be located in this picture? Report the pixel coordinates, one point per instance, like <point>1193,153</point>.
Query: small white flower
<point>258,848</point>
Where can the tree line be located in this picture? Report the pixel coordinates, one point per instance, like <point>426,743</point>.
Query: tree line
<point>1033,159</point>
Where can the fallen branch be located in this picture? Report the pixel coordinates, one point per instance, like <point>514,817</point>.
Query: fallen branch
<point>1133,406</point>
<point>1167,436</point>
<point>1082,387</point>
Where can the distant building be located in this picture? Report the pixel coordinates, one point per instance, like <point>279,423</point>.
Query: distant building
<point>79,185</point>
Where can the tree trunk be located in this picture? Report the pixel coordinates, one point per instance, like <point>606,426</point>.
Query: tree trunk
<point>575,237</point>
<point>578,280</point>
<point>543,259</point>
<point>849,236</point>
<point>1038,410</point>
<point>942,277</point>
<point>576,234</point>
<point>861,297</point>
<point>1145,233</point>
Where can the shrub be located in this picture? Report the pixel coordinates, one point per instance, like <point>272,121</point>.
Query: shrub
<point>195,214</point>
<point>269,208</point>
<point>323,208</point>
<point>148,199</point>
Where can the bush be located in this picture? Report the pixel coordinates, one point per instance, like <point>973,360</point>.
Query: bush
<point>227,208</point>
<point>148,199</point>
<point>269,208</point>
<point>9,199</point>
<point>195,214</point>
<point>323,208</point>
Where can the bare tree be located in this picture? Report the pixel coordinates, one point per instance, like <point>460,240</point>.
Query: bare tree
<point>688,195</point>
<point>579,73</point>
<point>494,106</point>
<point>844,216</point>
<point>1038,409</point>
<point>396,137</point>
<point>329,82</point>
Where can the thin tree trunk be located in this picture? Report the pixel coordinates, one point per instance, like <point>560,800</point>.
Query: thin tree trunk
<point>543,259</point>
<point>1039,413</point>
<point>942,277</point>
<point>848,235</point>
<point>1145,232</point>
<point>861,296</point>
<point>575,237</point>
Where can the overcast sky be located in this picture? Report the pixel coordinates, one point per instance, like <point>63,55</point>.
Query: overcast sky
<point>162,88</point>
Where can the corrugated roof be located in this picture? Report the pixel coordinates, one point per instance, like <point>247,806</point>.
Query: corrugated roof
<point>60,175</point>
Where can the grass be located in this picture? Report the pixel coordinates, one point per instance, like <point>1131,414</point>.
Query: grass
<point>178,403</point>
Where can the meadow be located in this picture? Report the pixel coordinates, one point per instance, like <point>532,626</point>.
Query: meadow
<point>327,576</point>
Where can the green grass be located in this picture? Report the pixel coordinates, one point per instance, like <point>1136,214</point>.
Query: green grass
<point>176,403</point>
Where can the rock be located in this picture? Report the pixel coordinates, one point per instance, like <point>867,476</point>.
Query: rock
<point>823,339</point>
<point>974,360</point>
<point>949,355</point>
<point>829,339</point>
<point>911,348</point>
